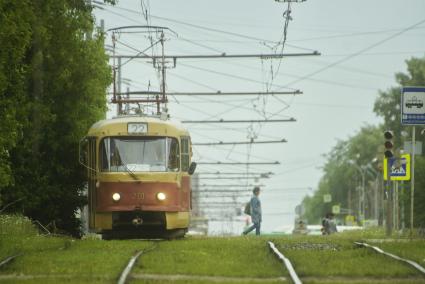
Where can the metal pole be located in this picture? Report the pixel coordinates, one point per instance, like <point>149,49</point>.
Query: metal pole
<point>223,55</point>
<point>239,121</point>
<point>163,75</point>
<point>395,192</point>
<point>119,86</point>
<point>376,194</point>
<point>362,171</point>
<point>412,180</point>
<point>219,93</point>
<point>388,201</point>
<point>239,143</point>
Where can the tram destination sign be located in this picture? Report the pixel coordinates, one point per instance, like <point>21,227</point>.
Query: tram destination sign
<point>413,105</point>
<point>137,128</point>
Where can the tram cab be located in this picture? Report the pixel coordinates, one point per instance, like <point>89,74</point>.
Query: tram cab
<point>139,180</point>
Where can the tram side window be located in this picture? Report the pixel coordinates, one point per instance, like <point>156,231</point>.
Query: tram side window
<point>173,156</point>
<point>185,153</point>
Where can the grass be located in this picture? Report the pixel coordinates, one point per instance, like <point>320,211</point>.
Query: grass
<point>49,259</point>
<point>412,250</point>
<point>319,259</point>
<point>226,256</point>
<point>337,256</point>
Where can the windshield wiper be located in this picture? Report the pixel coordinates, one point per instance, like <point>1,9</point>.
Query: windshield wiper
<point>132,174</point>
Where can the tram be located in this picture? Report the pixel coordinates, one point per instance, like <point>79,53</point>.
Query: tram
<point>139,182</point>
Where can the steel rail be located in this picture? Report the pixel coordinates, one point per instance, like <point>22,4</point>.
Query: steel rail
<point>412,263</point>
<point>124,274</point>
<point>287,263</point>
<point>9,259</point>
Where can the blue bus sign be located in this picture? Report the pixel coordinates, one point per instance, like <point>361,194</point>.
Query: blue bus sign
<point>399,167</point>
<point>413,105</point>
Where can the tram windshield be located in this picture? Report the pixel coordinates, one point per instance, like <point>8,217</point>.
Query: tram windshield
<point>139,154</point>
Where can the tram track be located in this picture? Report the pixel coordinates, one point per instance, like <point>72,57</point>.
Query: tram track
<point>124,276</point>
<point>290,253</point>
<point>377,249</point>
<point>8,259</point>
<point>342,279</point>
<point>287,263</point>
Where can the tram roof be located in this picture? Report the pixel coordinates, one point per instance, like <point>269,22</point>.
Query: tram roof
<point>156,126</point>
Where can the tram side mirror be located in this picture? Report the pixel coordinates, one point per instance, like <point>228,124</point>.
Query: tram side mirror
<point>192,168</point>
<point>83,152</point>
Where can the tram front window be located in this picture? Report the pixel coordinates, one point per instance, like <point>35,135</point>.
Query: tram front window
<point>139,154</point>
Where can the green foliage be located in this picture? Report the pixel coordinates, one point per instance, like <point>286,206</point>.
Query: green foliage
<point>15,38</point>
<point>63,76</point>
<point>341,178</point>
<point>388,106</point>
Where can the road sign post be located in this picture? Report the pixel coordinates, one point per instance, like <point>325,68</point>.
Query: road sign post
<point>412,190</point>
<point>412,113</point>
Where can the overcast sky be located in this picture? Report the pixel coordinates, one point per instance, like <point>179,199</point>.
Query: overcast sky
<point>362,45</point>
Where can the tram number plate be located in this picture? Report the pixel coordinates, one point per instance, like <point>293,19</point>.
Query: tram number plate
<point>137,128</point>
<point>138,195</point>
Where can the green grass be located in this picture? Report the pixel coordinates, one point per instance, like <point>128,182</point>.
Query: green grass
<point>321,259</point>
<point>237,257</point>
<point>77,261</point>
<point>84,258</point>
<point>14,233</point>
<point>336,255</point>
<point>412,250</point>
<point>203,282</point>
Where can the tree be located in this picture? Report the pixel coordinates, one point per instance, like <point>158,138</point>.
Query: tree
<point>342,175</point>
<point>388,107</point>
<point>65,92</point>
<point>15,36</point>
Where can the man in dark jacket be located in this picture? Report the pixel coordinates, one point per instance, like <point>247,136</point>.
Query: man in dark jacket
<point>255,212</point>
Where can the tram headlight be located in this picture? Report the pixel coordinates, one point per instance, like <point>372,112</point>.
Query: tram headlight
<point>116,196</point>
<point>161,196</point>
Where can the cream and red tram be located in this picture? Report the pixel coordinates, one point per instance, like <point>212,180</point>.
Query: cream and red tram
<point>139,180</point>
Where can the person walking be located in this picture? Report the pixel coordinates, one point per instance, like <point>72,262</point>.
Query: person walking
<point>255,212</point>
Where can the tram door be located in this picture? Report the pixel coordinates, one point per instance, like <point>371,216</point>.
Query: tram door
<point>92,180</point>
<point>88,159</point>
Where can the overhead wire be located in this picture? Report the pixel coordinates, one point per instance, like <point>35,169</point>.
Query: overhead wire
<point>232,76</point>
<point>248,79</point>
<point>355,54</point>
<point>211,29</point>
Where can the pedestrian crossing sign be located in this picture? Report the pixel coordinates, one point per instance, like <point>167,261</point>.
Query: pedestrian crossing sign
<point>399,167</point>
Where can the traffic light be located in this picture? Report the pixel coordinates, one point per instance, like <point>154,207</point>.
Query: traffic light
<point>388,144</point>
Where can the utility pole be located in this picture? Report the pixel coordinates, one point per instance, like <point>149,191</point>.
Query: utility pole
<point>163,76</point>
<point>119,106</point>
<point>412,180</point>
<point>388,135</point>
